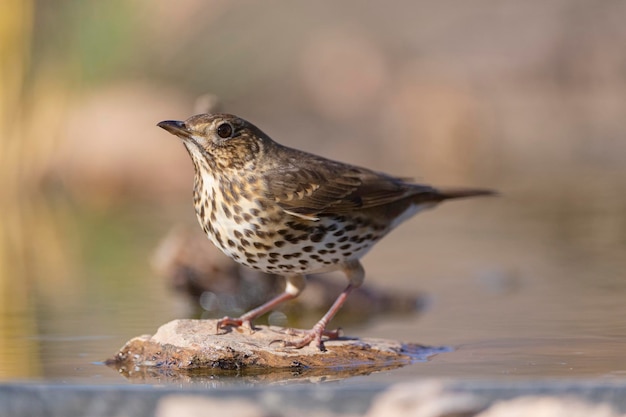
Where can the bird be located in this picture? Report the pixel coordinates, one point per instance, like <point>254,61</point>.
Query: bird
<point>292,213</point>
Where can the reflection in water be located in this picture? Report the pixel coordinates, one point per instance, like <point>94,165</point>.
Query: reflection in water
<point>221,378</point>
<point>35,268</point>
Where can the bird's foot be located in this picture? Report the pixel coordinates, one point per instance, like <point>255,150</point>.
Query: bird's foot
<point>307,337</point>
<point>330,334</point>
<point>242,322</point>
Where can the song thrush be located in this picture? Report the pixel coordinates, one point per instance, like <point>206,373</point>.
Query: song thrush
<point>288,212</point>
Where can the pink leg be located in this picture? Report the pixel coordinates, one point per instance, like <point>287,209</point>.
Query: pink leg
<point>319,330</point>
<point>295,285</point>
<point>355,273</point>
<point>246,319</point>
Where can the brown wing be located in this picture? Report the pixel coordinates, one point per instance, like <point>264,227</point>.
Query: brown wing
<point>310,185</point>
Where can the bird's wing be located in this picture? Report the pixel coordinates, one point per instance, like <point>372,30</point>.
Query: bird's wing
<point>314,186</point>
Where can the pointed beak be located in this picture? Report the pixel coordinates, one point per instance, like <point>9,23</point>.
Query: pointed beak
<point>175,127</point>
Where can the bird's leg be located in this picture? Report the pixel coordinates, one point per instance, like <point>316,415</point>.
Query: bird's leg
<point>294,286</point>
<point>355,274</point>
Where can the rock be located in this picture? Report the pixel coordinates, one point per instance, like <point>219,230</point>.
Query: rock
<point>443,399</point>
<point>192,345</point>
<point>424,399</point>
<point>196,406</point>
<point>548,407</point>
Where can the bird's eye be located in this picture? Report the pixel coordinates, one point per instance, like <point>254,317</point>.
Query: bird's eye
<point>225,130</point>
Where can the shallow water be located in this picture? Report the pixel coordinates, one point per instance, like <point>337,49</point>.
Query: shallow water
<point>504,290</point>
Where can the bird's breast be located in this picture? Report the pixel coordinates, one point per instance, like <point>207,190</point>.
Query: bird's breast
<point>255,231</point>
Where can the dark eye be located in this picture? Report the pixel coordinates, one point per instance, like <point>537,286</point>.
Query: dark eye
<point>225,130</point>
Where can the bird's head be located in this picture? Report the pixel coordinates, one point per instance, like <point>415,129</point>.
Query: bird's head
<point>221,141</point>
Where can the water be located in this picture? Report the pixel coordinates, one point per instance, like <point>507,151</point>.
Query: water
<point>505,290</point>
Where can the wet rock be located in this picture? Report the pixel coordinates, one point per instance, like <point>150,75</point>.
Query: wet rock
<point>192,345</point>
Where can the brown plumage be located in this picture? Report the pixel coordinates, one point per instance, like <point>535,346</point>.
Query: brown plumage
<point>288,212</point>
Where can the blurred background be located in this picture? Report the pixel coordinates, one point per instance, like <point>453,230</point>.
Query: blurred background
<point>525,97</point>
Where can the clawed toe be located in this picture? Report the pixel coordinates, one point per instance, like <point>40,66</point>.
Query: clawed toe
<point>238,322</point>
<point>307,337</point>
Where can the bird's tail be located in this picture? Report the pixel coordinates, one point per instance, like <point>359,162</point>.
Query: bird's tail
<point>451,193</point>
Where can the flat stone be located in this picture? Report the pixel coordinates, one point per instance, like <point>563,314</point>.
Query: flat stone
<point>195,345</point>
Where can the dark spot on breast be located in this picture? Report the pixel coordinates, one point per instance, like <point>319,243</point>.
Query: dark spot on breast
<point>300,226</point>
<point>339,233</point>
<point>279,243</point>
<point>308,248</point>
<point>273,261</point>
<point>346,254</point>
<point>261,204</point>
<point>317,237</point>
<point>273,255</point>
<point>255,212</point>
<point>294,239</point>
<point>342,239</point>
<point>350,227</point>
<point>237,234</point>
<point>344,247</point>
<point>231,243</point>
<point>226,210</point>
<point>303,262</point>
<point>226,197</point>
<point>237,219</point>
<point>244,242</point>
<point>234,190</point>
<point>247,217</point>
<point>330,245</point>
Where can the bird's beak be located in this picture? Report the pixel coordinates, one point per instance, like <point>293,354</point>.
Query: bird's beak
<point>175,127</point>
